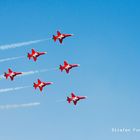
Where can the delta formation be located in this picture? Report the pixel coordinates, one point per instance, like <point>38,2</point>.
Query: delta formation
<point>40,85</point>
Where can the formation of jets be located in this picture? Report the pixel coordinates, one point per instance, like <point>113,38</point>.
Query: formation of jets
<point>67,67</point>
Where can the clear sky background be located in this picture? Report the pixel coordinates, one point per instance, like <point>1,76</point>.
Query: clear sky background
<point>107,46</point>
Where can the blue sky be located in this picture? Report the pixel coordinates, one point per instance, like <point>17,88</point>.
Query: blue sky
<point>105,44</point>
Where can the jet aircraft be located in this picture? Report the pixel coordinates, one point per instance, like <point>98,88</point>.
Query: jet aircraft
<point>75,98</point>
<point>11,74</point>
<point>41,85</point>
<point>35,54</point>
<point>67,66</point>
<point>60,36</point>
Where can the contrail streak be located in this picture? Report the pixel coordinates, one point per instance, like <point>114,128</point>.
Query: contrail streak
<point>13,89</point>
<point>14,106</point>
<point>37,71</point>
<point>9,59</point>
<point>16,45</point>
<point>2,76</point>
<point>31,72</point>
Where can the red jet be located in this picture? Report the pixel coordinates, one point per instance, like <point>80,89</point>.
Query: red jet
<point>67,66</point>
<point>35,54</point>
<point>75,98</point>
<point>60,36</point>
<point>40,84</point>
<point>11,74</point>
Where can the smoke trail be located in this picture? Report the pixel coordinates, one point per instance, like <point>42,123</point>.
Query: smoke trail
<point>13,89</point>
<point>37,71</point>
<point>16,45</point>
<point>14,106</point>
<point>44,70</point>
<point>9,59</point>
<point>31,72</point>
<point>2,76</point>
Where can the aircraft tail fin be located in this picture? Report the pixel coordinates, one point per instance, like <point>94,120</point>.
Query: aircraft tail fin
<point>6,75</point>
<point>29,56</point>
<point>68,99</point>
<point>54,38</point>
<point>35,85</point>
<point>61,68</point>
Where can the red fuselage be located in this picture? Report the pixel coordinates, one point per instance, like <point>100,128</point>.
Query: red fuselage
<point>62,36</point>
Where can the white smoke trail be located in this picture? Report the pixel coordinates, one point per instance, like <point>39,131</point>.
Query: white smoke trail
<point>13,89</point>
<point>37,71</point>
<point>14,106</point>
<point>2,76</point>
<point>9,59</point>
<point>31,72</point>
<point>44,70</point>
<point>16,45</point>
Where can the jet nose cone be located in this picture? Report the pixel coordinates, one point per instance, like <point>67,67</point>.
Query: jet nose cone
<point>78,65</point>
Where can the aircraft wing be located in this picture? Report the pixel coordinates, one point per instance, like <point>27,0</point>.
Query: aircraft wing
<point>61,40</point>
<point>58,33</point>
<point>12,78</point>
<point>67,70</point>
<point>75,102</point>
<point>33,51</point>
<point>34,58</point>
<point>9,70</point>
<point>72,95</point>
<point>41,88</point>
